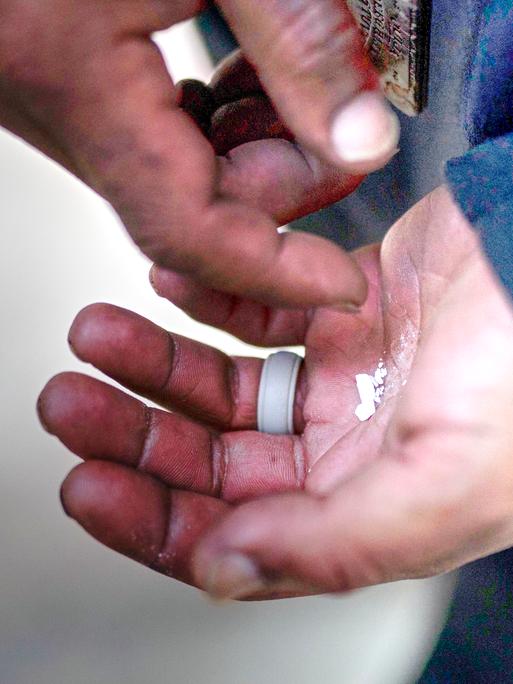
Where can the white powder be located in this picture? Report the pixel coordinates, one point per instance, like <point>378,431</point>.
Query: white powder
<point>370,388</point>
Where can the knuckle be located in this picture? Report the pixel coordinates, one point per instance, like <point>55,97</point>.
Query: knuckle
<point>220,463</point>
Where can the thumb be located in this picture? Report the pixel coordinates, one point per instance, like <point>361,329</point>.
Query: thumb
<point>310,58</point>
<point>393,521</point>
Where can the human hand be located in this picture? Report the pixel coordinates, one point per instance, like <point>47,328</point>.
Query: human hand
<point>422,487</point>
<point>83,82</point>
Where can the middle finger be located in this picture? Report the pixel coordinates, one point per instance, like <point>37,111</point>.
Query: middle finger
<point>172,370</point>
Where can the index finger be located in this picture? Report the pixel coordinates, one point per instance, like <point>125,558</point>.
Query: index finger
<point>111,106</point>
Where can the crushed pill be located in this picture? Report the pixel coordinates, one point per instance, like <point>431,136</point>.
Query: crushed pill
<point>370,389</point>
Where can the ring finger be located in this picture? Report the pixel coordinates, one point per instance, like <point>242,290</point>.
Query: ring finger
<point>97,421</point>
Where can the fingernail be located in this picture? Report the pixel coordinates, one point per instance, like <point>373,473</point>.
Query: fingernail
<point>234,576</point>
<point>63,503</point>
<point>365,129</point>
<point>70,342</point>
<point>40,414</point>
<point>349,307</point>
<point>152,275</point>
<point>345,308</point>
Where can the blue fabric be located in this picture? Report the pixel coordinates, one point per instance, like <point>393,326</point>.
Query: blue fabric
<point>482,183</point>
<point>476,645</point>
<point>482,179</point>
<point>218,37</point>
<point>488,91</point>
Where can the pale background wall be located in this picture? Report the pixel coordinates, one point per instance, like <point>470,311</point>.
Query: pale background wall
<point>72,612</point>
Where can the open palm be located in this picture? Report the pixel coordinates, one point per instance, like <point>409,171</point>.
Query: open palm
<point>423,486</point>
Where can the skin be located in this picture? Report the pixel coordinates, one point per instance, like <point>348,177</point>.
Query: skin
<point>194,492</point>
<point>92,91</point>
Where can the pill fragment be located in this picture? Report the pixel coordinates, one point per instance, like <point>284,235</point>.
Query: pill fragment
<point>370,389</point>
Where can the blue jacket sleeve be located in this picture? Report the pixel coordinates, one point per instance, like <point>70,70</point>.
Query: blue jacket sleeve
<point>482,179</point>
<point>482,184</point>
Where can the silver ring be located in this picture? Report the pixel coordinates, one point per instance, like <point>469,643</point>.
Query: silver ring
<point>276,394</point>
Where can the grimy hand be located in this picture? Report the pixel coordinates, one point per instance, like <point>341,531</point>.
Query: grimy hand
<point>197,494</point>
<point>83,81</point>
